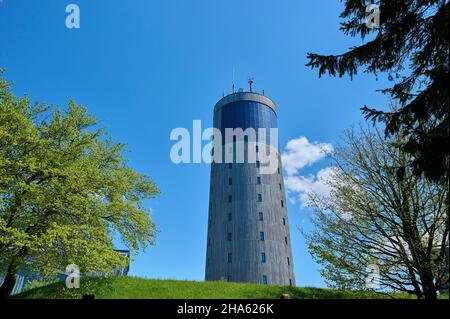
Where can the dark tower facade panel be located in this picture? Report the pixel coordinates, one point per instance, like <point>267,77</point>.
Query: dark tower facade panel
<point>248,229</point>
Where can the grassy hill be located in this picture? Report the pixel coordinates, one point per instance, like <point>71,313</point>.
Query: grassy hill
<point>138,288</point>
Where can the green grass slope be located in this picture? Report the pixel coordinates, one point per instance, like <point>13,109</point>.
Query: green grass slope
<point>138,288</point>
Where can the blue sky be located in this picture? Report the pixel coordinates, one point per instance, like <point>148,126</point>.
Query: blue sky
<point>145,67</point>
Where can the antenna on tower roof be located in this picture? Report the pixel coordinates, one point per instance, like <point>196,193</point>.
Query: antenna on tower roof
<point>233,82</point>
<point>250,83</point>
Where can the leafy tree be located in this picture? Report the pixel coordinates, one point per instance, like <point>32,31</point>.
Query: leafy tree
<point>371,217</point>
<point>65,192</point>
<point>412,46</point>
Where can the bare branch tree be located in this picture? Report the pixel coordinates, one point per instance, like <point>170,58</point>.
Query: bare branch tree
<point>380,213</point>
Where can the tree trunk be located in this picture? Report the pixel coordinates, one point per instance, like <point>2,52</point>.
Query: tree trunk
<point>429,288</point>
<point>10,280</point>
<point>430,294</point>
<point>11,273</point>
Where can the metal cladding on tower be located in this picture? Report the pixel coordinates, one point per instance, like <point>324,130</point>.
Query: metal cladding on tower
<point>248,230</point>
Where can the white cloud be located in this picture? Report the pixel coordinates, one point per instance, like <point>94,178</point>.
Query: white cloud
<point>304,186</point>
<point>300,152</point>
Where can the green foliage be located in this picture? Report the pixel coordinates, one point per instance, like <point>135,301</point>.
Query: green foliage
<point>138,288</point>
<point>412,47</point>
<point>65,190</point>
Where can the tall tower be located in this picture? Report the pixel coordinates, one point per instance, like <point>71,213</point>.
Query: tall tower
<point>248,230</point>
